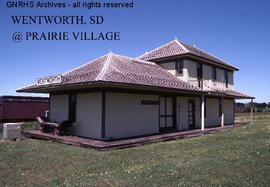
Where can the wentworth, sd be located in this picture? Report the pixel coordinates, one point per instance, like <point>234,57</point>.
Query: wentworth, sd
<point>68,20</point>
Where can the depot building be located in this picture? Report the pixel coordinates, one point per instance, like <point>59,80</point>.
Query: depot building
<point>175,87</point>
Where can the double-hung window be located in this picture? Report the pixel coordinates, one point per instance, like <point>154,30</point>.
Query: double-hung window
<point>199,71</point>
<point>179,67</point>
<point>199,74</point>
<point>214,73</point>
<point>226,78</point>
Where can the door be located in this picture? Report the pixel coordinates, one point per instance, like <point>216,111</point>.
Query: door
<point>166,113</point>
<point>191,114</point>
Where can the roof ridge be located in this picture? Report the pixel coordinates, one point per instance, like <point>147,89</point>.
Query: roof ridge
<point>105,67</point>
<point>152,64</point>
<point>161,69</point>
<point>83,65</point>
<point>139,60</point>
<point>213,56</point>
<point>179,43</point>
<point>157,48</point>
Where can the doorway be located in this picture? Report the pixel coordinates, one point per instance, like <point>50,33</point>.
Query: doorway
<point>191,114</point>
<point>166,113</point>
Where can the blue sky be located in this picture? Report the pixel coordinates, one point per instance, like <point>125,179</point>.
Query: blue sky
<point>236,31</point>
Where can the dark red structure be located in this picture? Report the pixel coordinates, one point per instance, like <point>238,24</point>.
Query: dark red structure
<point>16,108</point>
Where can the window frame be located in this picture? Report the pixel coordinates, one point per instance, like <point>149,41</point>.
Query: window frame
<point>163,112</point>
<point>199,71</point>
<point>214,73</point>
<point>179,66</point>
<point>200,74</point>
<point>226,78</point>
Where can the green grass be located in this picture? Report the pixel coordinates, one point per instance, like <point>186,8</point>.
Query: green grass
<point>234,157</point>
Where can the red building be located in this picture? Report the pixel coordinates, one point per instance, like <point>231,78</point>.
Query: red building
<point>15,108</point>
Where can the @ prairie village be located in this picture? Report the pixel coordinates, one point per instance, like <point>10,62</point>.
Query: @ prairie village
<point>37,36</point>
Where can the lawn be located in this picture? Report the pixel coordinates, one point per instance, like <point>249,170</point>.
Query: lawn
<point>234,157</point>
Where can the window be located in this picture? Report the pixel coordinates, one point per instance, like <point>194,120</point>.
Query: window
<point>199,75</point>
<point>179,67</point>
<point>199,71</point>
<point>72,107</point>
<point>226,78</point>
<point>214,73</point>
<point>166,113</point>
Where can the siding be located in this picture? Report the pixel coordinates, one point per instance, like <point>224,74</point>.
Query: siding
<point>212,112</point>
<point>88,115</point>
<point>58,108</point>
<point>126,116</point>
<point>190,74</point>
<point>189,70</point>
<point>182,112</point>
<point>228,111</point>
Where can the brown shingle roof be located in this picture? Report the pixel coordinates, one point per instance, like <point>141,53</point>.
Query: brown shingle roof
<point>177,48</point>
<point>230,93</point>
<point>235,93</point>
<point>113,68</point>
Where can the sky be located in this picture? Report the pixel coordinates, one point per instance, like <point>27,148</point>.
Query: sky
<point>235,31</point>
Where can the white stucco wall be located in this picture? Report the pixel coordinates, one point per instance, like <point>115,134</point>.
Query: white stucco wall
<point>228,111</point>
<point>88,115</point>
<point>182,112</point>
<point>58,108</point>
<point>189,70</point>
<point>190,75</point>
<point>219,83</point>
<point>212,118</point>
<point>126,116</point>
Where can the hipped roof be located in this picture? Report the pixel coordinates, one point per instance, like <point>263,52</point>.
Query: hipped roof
<point>113,69</point>
<point>177,48</point>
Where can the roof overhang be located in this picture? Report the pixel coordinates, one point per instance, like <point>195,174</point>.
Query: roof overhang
<point>112,86</point>
<point>98,85</point>
<point>194,57</point>
<point>215,94</point>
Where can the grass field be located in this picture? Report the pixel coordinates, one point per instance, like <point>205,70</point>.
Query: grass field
<point>235,157</point>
